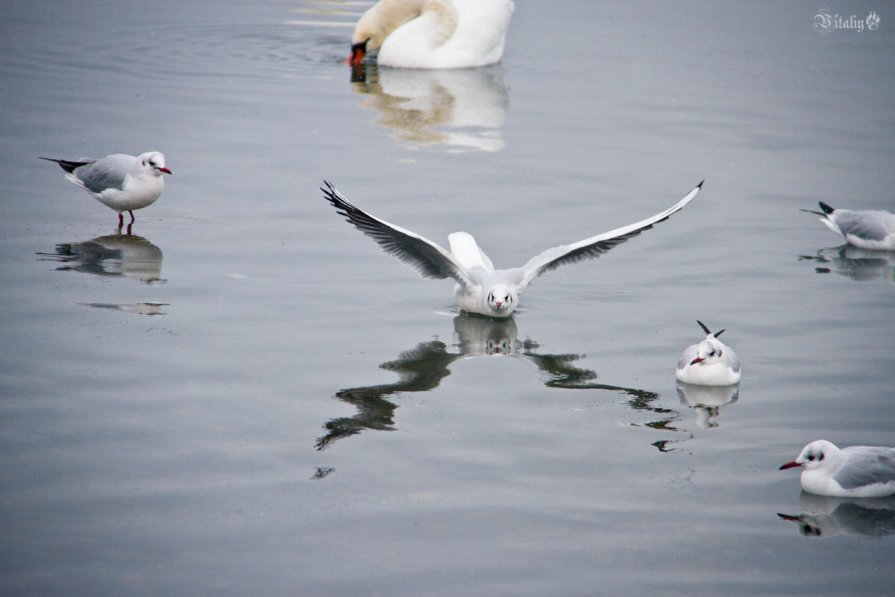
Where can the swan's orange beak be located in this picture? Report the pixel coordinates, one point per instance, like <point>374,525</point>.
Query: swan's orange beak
<point>358,51</point>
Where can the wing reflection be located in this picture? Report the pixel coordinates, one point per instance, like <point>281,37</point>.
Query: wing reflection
<point>125,255</point>
<point>423,367</point>
<point>707,400</point>
<point>463,108</point>
<point>824,516</point>
<point>860,265</point>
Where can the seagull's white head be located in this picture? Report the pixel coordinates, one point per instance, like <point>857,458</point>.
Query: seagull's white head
<point>501,300</point>
<point>708,351</point>
<point>819,453</point>
<point>154,162</point>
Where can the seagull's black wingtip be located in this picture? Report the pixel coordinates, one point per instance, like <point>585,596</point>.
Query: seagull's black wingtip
<point>827,209</point>
<point>699,186</point>
<point>330,192</point>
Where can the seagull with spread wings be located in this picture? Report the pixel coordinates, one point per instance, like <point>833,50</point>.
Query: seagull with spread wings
<point>480,288</point>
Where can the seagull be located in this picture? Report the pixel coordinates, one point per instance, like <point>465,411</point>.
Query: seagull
<point>857,471</point>
<point>480,288</point>
<point>709,363</point>
<point>865,228</point>
<point>120,181</point>
<point>432,33</point>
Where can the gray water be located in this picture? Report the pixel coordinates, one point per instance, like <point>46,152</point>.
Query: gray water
<point>247,396</point>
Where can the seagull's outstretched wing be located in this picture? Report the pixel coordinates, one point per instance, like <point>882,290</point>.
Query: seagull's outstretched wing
<point>593,247</point>
<point>426,257</point>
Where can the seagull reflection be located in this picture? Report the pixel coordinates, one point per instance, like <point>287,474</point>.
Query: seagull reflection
<point>857,264</point>
<point>422,368</point>
<point>125,255</point>
<point>463,108</point>
<point>707,400</point>
<point>824,516</point>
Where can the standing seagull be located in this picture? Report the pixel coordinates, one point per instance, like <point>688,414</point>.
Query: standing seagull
<point>120,181</point>
<point>857,471</point>
<point>865,228</point>
<point>709,363</point>
<point>480,288</point>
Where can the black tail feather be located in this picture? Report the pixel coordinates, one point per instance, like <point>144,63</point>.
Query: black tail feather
<point>708,331</point>
<point>67,165</point>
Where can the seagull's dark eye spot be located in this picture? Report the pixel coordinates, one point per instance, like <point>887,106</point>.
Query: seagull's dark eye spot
<point>719,353</point>
<point>811,457</point>
<point>820,457</point>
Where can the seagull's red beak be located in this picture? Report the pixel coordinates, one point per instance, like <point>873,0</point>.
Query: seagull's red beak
<point>498,303</point>
<point>697,360</point>
<point>791,464</point>
<point>165,170</point>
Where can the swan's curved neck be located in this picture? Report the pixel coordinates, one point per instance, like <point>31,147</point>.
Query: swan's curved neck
<point>387,15</point>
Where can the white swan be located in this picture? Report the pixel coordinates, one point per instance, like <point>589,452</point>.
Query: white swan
<point>432,33</point>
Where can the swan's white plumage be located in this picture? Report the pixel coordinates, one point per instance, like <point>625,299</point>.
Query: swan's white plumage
<point>435,33</point>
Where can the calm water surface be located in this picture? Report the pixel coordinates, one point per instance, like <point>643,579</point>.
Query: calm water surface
<point>247,396</point>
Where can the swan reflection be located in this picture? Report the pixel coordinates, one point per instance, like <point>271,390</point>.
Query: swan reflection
<point>422,368</point>
<point>125,255</point>
<point>824,516</point>
<point>857,264</point>
<point>707,400</point>
<point>463,109</point>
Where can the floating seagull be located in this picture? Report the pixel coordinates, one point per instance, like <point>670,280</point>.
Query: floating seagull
<point>480,288</point>
<point>432,33</point>
<point>709,363</point>
<point>866,228</point>
<point>857,471</point>
<point>122,182</point>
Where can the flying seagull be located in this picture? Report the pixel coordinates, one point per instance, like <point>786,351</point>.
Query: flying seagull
<point>119,181</point>
<point>480,288</point>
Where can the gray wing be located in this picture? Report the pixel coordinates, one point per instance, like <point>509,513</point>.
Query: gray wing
<point>732,359</point>
<point>426,257</point>
<point>107,173</point>
<point>866,466</point>
<point>870,225</point>
<point>593,247</point>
